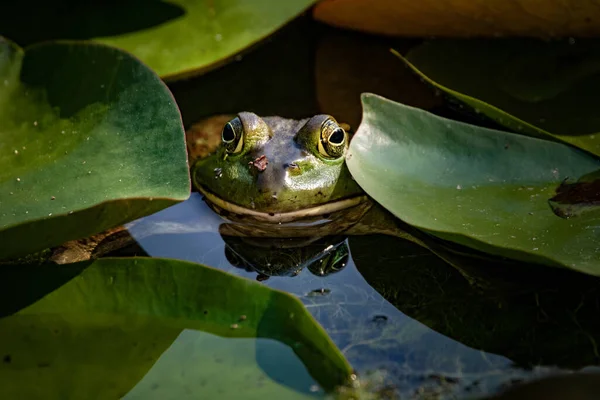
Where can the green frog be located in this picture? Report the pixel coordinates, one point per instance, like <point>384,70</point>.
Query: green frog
<point>275,170</point>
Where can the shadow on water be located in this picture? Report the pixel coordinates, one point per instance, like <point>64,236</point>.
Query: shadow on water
<point>72,19</point>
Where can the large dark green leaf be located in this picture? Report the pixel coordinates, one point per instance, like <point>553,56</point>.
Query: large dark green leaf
<point>98,327</point>
<point>482,188</point>
<point>175,38</point>
<point>545,89</point>
<point>89,138</point>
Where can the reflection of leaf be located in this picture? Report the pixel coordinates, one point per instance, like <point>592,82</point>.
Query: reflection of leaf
<point>174,38</point>
<point>89,137</point>
<point>543,89</point>
<point>481,188</point>
<point>96,317</point>
<point>466,18</point>
<point>502,308</point>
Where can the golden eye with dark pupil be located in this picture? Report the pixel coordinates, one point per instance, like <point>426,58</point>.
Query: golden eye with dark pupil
<point>333,140</point>
<point>337,137</point>
<point>233,136</point>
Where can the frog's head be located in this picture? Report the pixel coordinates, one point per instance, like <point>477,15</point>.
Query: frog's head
<point>279,170</point>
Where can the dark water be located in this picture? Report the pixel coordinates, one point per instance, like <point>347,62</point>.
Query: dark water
<point>383,344</point>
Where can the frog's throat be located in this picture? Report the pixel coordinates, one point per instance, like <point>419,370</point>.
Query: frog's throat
<point>283,217</point>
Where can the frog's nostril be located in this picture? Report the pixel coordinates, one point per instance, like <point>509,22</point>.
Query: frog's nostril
<point>259,163</point>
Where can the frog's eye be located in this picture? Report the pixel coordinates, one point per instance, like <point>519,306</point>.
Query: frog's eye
<point>233,136</point>
<point>333,139</point>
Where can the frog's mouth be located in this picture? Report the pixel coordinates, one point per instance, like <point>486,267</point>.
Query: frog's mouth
<point>224,208</point>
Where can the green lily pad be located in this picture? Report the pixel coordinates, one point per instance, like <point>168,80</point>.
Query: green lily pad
<point>89,138</point>
<point>104,326</point>
<point>479,187</point>
<point>539,88</point>
<point>176,38</point>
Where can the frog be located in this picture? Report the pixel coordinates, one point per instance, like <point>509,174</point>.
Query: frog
<point>276,170</point>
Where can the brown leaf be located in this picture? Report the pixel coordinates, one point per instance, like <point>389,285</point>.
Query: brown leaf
<point>464,18</point>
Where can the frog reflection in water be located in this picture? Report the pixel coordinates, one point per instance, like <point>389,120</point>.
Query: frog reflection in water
<point>287,256</point>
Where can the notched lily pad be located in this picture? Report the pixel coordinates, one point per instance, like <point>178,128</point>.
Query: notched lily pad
<point>479,187</point>
<point>89,138</point>
<point>104,326</point>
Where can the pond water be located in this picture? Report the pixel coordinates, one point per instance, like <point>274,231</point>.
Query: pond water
<point>387,348</point>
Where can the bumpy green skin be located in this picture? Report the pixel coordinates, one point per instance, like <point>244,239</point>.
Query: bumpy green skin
<point>281,187</point>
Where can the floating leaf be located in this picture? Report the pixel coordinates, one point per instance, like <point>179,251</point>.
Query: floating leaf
<point>482,188</point>
<point>89,138</point>
<point>175,38</point>
<point>98,327</point>
<point>544,89</point>
<point>466,18</point>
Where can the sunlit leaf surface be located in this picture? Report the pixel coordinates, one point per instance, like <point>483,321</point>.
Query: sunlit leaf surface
<point>482,188</point>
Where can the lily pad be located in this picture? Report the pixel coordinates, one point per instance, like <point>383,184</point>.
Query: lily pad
<point>479,187</point>
<point>104,326</point>
<point>176,38</point>
<point>464,18</point>
<point>89,138</point>
<point>544,89</point>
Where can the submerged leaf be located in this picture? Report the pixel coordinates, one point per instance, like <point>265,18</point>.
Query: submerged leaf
<point>175,38</point>
<point>543,89</point>
<point>482,188</point>
<point>104,326</point>
<point>89,138</point>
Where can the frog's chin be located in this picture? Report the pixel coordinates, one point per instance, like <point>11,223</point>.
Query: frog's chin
<point>307,216</point>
